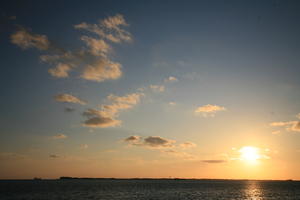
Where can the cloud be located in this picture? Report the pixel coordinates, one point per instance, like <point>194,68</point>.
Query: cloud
<point>60,71</point>
<point>54,156</point>
<point>84,146</point>
<point>186,145</point>
<point>59,136</point>
<point>103,69</point>
<point>289,125</point>
<point>282,123</point>
<point>106,116</point>
<point>298,115</point>
<point>158,142</point>
<point>97,47</point>
<point>295,127</point>
<point>110,28</point>
<point>157,88</point>
<point>69,99</point>
<point>151,141</point>
<point>99,121</point>
<point>214,161</point>
<point>133,139</point>
<point>209,110</point>
<point>26,39</point>
<point>172,103</point>
<point>92,61</point>
<point>171,79</point>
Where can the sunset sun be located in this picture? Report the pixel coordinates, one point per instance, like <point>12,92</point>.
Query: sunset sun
<point>249,154</point>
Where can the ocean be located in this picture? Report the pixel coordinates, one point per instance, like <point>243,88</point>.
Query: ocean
<point>148,189</point>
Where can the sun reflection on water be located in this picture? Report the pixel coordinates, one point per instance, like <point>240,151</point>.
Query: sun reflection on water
<point>253,190</point>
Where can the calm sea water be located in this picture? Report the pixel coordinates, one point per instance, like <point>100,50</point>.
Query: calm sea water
<point>148,189</point>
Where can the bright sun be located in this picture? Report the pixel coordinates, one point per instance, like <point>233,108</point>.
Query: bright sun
<point>249,154</point>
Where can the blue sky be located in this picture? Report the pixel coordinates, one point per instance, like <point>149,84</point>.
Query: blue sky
<point>236,62</point>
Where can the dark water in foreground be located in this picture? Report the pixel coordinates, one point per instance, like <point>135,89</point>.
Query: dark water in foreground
<point>149,189</point>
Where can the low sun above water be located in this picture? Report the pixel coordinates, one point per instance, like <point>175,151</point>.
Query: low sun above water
<point>249,154</point>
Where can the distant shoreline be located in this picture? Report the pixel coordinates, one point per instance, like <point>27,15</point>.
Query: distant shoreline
<point>176,179</point>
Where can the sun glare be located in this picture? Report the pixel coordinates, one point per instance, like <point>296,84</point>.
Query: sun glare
<point>249,154</point>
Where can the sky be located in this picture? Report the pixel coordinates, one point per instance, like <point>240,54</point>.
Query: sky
<point>152,89</point>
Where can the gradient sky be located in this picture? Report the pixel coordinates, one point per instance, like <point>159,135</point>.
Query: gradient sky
<point>150,89</point>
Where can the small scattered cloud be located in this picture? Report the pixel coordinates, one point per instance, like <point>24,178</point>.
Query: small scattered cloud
<point>54,156</point>
<point>293,126</point>
<point>59,136</point>
<point>209,110</point>
<point>172,103</point>
<point>96,119</point>
<point>97,47</point>
<point>106,116</point>
<point>158,142</point>
<point>110,28</point>
<point>186,145</point>
<point>157,88</point>
<point>151,141</point>
<point>60,71</point>
<point>26,39</point>
<point>67,98</point>
<point>101,70</point>
<point>133,139</point>
<point>84,146</point>
<point>171,79</point>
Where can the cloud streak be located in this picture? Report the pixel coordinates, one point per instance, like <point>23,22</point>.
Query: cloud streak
<point>59,136</point>
<point>209,110</point>
<point>67,98</point>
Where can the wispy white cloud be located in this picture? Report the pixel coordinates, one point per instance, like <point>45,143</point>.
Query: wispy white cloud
<point>288,125</point>
<point>84,146</point>
<point>209,110</point>
<point>59,136</point>
<point>26,39</point>
<point>68,99</point>
<point>172,103</point>
<point>157,88</point>
<point>171,79</point>
<point>186,145</point>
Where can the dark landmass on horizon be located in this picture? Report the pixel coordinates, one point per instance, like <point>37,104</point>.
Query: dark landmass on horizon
<point>177,179</point>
